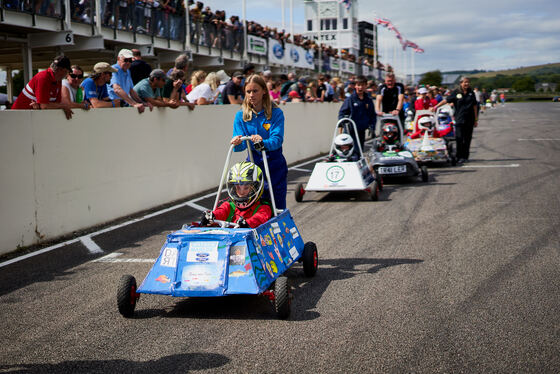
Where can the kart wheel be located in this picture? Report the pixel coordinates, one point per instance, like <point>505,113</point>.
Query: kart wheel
<point>127,295</point>
<point>424,171</point>
<point>310,259</point>
<point>379,180</point>
<point>282,301</point>
<point>374,191</point>
<point>453,161</point>
<point>299,192</point>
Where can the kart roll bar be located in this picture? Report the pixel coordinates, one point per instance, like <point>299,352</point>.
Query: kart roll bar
<point>267,173</point>
<point>345,128</point>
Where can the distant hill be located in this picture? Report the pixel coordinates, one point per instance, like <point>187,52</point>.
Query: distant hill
<point>527,70</point>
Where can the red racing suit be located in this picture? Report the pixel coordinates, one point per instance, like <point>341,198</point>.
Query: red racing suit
<point>255,215</point>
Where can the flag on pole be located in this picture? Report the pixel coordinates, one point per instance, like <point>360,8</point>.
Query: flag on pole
<point>347,3</point>
<point>418,50</point>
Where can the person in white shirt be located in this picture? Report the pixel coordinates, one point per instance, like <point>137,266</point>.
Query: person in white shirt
<point>206,92</point>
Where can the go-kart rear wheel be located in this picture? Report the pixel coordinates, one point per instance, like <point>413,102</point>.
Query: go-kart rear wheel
<point>424,172</point>
<point>127,296</point>
<point>310,259</point>
<point>299,192</point>
<point>282,301</point>
<point>374,191</point>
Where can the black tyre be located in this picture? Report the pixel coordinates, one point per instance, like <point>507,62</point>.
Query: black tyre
<point>374,191</point>
<point>282,301</point>
<point>127,296</point>
<point>424,172</point>
<point>299,192</point>
<point>310,259</point>
<point>379,180</point>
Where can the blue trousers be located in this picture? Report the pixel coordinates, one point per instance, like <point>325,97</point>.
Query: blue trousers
<point>278,176</point>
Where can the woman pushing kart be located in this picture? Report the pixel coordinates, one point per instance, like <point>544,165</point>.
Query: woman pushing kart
<point>263,121</point>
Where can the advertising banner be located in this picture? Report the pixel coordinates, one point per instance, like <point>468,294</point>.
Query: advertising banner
<point>256,45</point>
<point>276,53</point>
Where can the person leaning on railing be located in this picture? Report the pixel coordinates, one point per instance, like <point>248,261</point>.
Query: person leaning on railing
<point>95,87</point>
<point>44,90</point>
<point>121,86</point>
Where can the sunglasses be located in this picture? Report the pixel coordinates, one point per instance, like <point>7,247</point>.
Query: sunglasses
<point>127,60</point>
<point>76,76</point>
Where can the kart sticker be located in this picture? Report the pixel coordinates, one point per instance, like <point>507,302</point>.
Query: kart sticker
<point>238,273</point>
<point>294,232</point>
<point>163,279</point>
<point>248,266</point>
<point>200,276</point>
<point>406,154</point>
<point>278,254</point>
<point>335,174</point>
<point>274,267</point>
<point>293,253</point>
<point>275,227</point>
<point>393,158</point>
<point>268,240</point>
<point>203,252</point>
<point>237,255</point>
<point>169,257</point>
<point>280,240</point>
<point>268,268</point>
<point>195,231</point>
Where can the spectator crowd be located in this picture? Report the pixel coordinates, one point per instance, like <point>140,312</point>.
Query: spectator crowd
<point>131,82</point>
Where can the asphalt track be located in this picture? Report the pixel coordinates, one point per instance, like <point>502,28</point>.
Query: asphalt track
<point>461,274</point>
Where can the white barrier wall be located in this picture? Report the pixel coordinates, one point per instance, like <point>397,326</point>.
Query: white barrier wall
<point>58,176</point>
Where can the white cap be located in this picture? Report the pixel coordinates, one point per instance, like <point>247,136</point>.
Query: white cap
<point>266,73</point>
<point>126,53</point>
<point>224,78</point>
<point>422,90</point>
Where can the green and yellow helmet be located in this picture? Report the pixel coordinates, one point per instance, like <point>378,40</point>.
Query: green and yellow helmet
<point>245,174</point>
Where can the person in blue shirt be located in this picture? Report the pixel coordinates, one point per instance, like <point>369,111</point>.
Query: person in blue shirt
<point>360,108</point>
<point>263,121</point>
<point>121,86</point>
<point>95,87</point>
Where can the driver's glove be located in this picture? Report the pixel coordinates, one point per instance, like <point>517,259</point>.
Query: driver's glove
<point>259,146</point>
<point>207,218</point>
<point>241,222</point>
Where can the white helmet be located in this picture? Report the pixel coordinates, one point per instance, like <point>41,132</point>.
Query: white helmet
<point>344,145</point>
<point>425,123</point>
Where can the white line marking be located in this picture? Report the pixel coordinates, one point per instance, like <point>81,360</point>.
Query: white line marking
<point>190,203</point>
<point>112,257</point>
<point>41,251</point>
<point>197,207</point>
<point>109,256</point>
<point>300,169</point>
<point>90,244</point>
<point>538,140</point>
<point>492,166</point>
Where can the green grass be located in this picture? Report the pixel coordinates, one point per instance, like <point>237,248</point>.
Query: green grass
<point>553,68</point>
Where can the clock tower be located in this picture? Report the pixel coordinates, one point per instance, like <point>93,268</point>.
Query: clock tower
<point>332,23</point>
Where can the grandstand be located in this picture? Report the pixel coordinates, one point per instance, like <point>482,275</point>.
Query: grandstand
<point>32,32</point>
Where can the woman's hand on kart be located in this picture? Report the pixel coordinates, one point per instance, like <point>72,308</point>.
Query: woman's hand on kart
<point>395,112</point>
<point>236,140</point>
<point>256,138</point>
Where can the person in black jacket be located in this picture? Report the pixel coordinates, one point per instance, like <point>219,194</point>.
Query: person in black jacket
<point>360,108</point>
<point>466,117</point>
<point>139,69</point>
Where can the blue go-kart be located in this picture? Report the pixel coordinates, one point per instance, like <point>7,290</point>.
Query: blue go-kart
<point>226,260</point>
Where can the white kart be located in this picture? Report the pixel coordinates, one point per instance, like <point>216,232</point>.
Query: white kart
<point>340,176</point>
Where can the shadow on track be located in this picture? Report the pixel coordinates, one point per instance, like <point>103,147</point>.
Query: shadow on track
<point>183,363</point>
<point>306,293</point>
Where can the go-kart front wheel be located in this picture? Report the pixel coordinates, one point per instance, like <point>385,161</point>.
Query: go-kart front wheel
<point>374,191</point>
<point>299,192</point>
<point>310,259</point>
<point>282,301</point>
<point>424,172</point>
<point>127,296</point>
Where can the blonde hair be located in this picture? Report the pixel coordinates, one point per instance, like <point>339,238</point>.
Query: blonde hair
<point>212,80</point>
<point>267,101</point>
<point>197,77</point>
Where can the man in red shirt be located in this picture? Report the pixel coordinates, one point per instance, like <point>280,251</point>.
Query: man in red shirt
<point>44,90</point>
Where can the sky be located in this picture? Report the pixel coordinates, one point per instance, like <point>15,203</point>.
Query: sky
<point>455,34</point>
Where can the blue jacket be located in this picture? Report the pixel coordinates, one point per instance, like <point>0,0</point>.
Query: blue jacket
<point>360,111</point>
<point>272,131</point>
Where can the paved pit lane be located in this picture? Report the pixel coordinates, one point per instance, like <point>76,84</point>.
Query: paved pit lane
<point>460,274</point>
